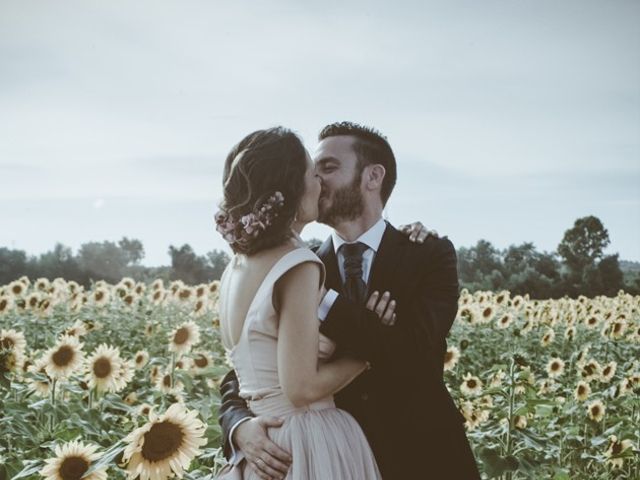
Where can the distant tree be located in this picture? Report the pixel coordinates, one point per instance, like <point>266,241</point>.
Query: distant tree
<point>480,266</point>
<point>133,250</point>
<point>218,261</point>
<point>59,262</point>
<point>187,266</point>
<point>582,245</point>
<point>13,264</point>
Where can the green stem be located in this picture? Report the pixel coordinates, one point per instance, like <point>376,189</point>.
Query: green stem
<point>511,395</point>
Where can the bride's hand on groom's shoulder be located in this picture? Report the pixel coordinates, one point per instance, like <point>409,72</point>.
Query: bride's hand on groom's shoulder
<point>384,306</point>
<point>417,232</point>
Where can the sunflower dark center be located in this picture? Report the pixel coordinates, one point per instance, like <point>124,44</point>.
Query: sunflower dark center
<point>486,312</point>
<point>201,361</point>
<point>99,296</point>
<point>448,356</point>
<point>7,343</point>
<point>181,336</point>
<point>73,468</point>
<point>471,383</point>
<point>102,367</point>
<point>595,410</point>
<point>63,356</point>
<point>185,294</point>
<point>33,301</point>
<point>581,390</point>
<point>17,289</point>
<point>166,381</point>
<point>555,366</point>
<point>128,299</point>
<point>606,371</point>
<point>616,448</point>
<point>139,359</point>
<point>3,304</point>
<point>162,441</point>
<point>156,295</point>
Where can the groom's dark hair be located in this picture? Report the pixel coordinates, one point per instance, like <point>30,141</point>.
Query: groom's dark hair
<point>371,147</point>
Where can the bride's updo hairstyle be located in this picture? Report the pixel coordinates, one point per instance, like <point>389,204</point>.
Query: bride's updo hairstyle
<point>263,184</point>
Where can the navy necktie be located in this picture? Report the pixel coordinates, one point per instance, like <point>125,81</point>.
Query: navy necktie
<point>354,286</point>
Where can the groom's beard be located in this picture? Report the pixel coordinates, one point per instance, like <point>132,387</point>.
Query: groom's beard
<point>346,204</point>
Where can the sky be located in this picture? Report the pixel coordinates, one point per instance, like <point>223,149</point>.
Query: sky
<point>509,119</point>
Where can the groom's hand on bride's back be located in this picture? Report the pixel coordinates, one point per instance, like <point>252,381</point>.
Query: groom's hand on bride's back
<point>265,457</point>
<point>417,232</point>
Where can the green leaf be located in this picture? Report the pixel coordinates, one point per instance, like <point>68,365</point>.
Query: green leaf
<point>31,467</point>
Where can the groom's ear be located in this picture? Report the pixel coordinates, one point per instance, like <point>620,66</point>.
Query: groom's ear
<point>374,175</point>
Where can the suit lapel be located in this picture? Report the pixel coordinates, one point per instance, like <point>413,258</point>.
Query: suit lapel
<point>386,261</point>
<point>327,254</point>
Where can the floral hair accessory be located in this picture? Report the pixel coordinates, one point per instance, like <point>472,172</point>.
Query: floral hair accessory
<point>251,224</point>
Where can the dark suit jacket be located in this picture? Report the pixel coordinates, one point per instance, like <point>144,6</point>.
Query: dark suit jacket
<point>402,404</point>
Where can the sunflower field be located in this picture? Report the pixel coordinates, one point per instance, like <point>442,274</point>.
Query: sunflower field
<point>121,381</point>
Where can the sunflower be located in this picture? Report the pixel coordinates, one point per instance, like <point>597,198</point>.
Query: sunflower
<point>141,358</point>
<point>65,357</point>
<point>40,387</point>
<point>166,445</point>
<point>471,385</point>
<point>6,304</point>
<point>101,296</point>
<point>163,383</point>
<point>451,357</point>
<point>103,368</point>
<point>144,410</point>
<point>201,361</point>
<point>148,329</point>
<point>548,337</point>
<point>591,321</point>
<point>33,300</point>
<point>496,379</point>
<point>555,367</point>
<point>570,333</point>
<point>504,321</point>
<point>127,282</point>
<point>200,308</point>
<point>468,314</point>
<point>17,288</point>
<point>157,284</point>
<point>14,341</point>
<point>214,287</point>
<point>184,337</point>
<point>615,449</point>
<point>131,398</point>
<point>158,296</point>
<point>154,373</point>
<point>520,421</point>
<point>487,314</point>
<point>596,410</point>
<point>608,371</point>
<point>78,329</point>
<point>582,391</point>
<point>590,370</point>
<point>72,460</point>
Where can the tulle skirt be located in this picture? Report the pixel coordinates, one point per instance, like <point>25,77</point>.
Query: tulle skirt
<point>325,444</point>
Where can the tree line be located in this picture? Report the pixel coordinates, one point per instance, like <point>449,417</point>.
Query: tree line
<point>578,266</point>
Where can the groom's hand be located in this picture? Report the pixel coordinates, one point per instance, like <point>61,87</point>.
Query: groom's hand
<point>417,232</point>
<point>265,457</point>
<point>383,306</point>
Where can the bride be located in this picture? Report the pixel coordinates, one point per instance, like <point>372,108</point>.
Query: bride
<point>268,304</point>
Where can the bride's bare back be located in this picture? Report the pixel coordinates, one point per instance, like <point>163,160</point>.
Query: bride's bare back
<point>239,285</point>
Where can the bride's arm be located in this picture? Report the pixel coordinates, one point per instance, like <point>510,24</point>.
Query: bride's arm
<point>302,377</point>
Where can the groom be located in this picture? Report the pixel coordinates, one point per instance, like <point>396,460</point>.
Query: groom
<point>401,402</point>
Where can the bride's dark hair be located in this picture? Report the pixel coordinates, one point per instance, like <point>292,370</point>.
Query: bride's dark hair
<point>261,164</point>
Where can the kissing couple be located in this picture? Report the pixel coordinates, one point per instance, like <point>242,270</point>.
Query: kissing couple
<point>337,352</point>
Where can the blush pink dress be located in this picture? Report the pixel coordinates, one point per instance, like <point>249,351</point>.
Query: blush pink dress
<point>324,441</point>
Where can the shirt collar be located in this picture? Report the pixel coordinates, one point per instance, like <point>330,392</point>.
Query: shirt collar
<point>371,238</point>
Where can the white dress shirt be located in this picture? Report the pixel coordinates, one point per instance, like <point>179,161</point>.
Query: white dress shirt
<point>371,238</point>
